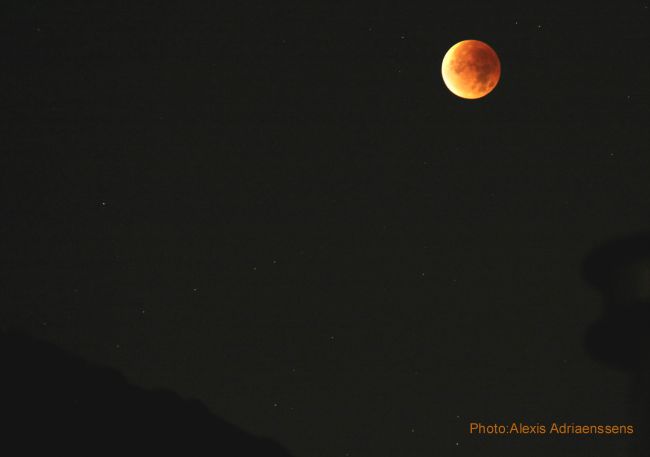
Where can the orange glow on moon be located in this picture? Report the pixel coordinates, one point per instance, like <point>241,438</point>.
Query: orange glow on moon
<point>471,69</point>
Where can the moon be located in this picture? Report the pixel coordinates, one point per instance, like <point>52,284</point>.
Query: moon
<point>471,69</point>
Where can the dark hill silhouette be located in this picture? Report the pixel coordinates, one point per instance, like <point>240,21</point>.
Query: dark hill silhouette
<point>54,401</point>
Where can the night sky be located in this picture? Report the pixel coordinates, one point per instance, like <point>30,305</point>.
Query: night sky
<point>278,208</point>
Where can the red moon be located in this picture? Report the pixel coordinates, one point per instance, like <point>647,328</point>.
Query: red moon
<point>471,69</point>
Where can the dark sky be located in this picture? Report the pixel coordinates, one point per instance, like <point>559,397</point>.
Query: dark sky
<point>279,209</point>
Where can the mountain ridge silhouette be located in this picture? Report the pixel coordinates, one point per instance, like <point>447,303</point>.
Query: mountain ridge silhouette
<point>56,401</point>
